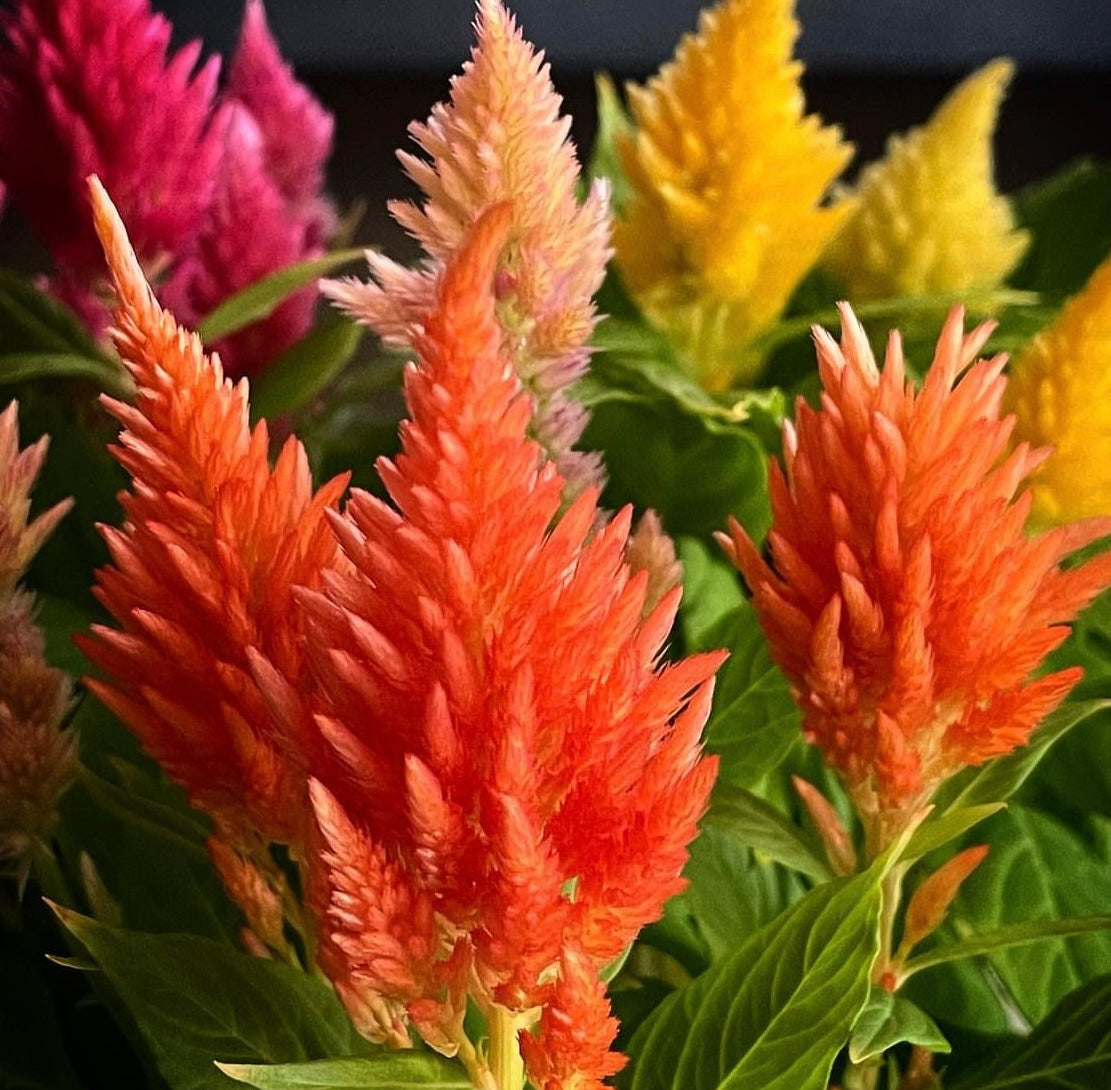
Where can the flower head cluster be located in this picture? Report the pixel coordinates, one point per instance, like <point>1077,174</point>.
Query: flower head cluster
<point>727,176</point>
<point>89,86</point>
<point>203,571</point>
<point>903,597</point>
<point>504,777</point>
<point>1060,393</point>
<point>501,138</point>
<point>519,774</point>
<point>37,759</point>
<point>927,218</point>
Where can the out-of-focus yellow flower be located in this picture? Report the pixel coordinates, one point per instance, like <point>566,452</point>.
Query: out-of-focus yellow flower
<point>1060,393</point>
<point>727,174</point>
<point>928,219</point>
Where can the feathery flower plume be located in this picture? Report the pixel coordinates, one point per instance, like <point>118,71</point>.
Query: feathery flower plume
<point>501,138</point>
<point>727,176</point>
<point>37,759</point>
<point>1060,390</point>
<point>517,775</point>
<point>89,87</point>
<point>903,598</point>
<point>928,219</point>
<point>202,574</point>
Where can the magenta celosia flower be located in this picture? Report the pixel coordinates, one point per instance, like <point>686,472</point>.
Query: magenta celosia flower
<point>217,191</point>
<point>501,138</point>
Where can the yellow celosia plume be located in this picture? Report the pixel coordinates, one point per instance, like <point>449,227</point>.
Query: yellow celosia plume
<point>928,219</point>
<point>1060,393</point>
<point>727,173</point>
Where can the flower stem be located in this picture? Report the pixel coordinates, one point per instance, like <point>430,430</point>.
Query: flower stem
<point>505,1051</point>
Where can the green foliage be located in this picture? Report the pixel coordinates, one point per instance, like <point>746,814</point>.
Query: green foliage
<point>1039,876</point>
<point>260,299</point>
<point>889,1020</point>
<point>392,1071</point>
<point>196,1002</point>
<point>774,1015</point>
<point>754,722</point>
<point>613,123</point>
<point>1069,217</point>
<point>1070,1049</point>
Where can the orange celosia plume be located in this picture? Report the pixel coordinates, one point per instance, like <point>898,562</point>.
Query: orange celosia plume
<point>517,775</point>
<point>203,572</point>
<point>903,598</point>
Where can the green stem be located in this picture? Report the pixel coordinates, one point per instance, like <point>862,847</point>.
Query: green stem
<point>505,1051</point>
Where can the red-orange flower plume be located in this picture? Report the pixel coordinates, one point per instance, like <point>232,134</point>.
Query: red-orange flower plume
<point>903,597</point>
<point>517,774</point>
<point>203,572</point>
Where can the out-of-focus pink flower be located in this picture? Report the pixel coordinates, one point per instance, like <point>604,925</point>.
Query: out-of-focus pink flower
<point>249,230</point>
<point>217,190</point>
<point>296,130</point>
<point>501,138</point>
<point>90,87</point>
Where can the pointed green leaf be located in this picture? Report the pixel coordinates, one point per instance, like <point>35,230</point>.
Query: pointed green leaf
<point>889,1020</point>
<point>1004,938</point>
<point>1069,1050</point>
<point>303,370</point>
<point>751,821</point>
<point>711,591</point>
<point>31,366</point>
<point>754,722</point>
<point>260,299</point>
<point>613,124</point>
<point>1003,776</point>
<point>196,1001</point>
<point>936,832</point>
<point>32,321</point>
<point>392,1071</point>
<point>775,1014</point>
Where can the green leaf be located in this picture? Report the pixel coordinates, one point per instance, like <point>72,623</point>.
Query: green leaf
<point>733,890</point>
<point>395,1071</point>
<point>303,370</point>
<point>711,591</point>
<point>1069,216</point>
<point>60,620</point>
<point>1069,1050</point>
<point>1040,876</point>
<point>31,366</point>
<point>754,722</point>
<point>936,832</point>
<point>613,124</point>
<point>775,1014</point>
<point>32,321</point>
<point>889,1020</point>
<point>196,1001</point>
<point>1020,934</point>
<point>260,299</point>
<point>1003,776</point>
<point>751,821</point>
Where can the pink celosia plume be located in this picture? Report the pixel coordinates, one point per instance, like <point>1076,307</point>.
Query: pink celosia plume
<point>217,189</point>
<point>517,774</point>
<point>501,138</point>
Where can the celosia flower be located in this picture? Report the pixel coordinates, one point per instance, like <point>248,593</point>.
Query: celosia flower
<point>37,759</point>
<point>1060,390</point>
<point>203,571</point>
<point>903,598</point>
<point>248,232</point>
<point>519,775</point>
<point>928,219</point>
<point>88,87</point>
<point>501,138</point>
<point>727,176</point>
